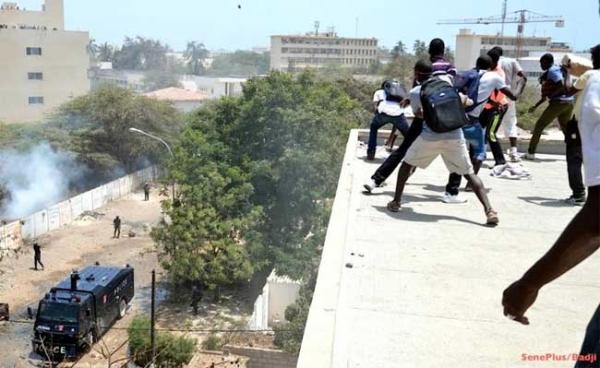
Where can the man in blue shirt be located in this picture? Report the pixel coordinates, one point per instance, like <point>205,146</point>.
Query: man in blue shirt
<point>560,106</point>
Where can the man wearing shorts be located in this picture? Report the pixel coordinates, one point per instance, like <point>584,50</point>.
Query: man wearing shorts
<point>452,146</point>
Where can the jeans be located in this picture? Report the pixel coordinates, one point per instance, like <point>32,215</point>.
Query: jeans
<point>591,342</point>
<point>574,158</point>
<point>491,119</point>
<point>475,135</point>
<point>391,163</point>
<point>563,111</point>
<point>380,120</point>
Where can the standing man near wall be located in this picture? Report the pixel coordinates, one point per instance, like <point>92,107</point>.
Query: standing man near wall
<point>37,256</point>
<point>146,192</point>
<point>117,227</point>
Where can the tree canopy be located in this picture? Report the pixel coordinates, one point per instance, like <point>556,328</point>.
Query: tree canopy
<point>240,64</point>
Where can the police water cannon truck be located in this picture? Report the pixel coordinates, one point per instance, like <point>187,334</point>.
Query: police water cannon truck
<point>80,309</point>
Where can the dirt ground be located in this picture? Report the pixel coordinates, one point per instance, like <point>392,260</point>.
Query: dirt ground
<point>82,243</point>
<point>90,240</point>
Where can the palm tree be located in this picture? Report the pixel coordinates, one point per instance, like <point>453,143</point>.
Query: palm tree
<point>195,54</point>
<point>106,52</point>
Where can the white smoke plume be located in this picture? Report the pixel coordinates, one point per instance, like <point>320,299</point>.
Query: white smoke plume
<point>36,179</point>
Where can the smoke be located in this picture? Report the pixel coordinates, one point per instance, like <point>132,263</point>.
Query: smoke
<point>35,179</point>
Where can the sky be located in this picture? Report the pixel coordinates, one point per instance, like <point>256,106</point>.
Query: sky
<point>220,24</point>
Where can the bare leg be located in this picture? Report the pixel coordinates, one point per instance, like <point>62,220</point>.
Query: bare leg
<point>404,173</point>
<point>479,190</point>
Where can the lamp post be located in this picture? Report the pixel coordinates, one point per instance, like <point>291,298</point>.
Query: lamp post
<point>139,131</point>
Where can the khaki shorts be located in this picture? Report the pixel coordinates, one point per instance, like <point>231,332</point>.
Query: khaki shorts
<point>509,122</point>
<point>454,152</point>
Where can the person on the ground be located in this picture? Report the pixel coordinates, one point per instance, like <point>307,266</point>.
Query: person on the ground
<point>440,66</point>
<point>197,295</point>
<point>489,81</point>
<point>146,191</point>
<point>117,227</point>
<point>555,85</point>
<point>581,238</point>
<point>516,80</point>
<point>429,145</point>
<point>387,111</point>
<point>37,256</point>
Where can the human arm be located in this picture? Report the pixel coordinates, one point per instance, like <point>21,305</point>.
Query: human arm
<point>507,91</point>
<point>537,104</point>
<point>579,241</point>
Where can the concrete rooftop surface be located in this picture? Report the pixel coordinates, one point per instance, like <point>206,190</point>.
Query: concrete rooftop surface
<point>425,285</point>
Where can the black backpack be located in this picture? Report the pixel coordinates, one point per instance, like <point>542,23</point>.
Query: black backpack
<point>394,91</point>
<point>443,109</point>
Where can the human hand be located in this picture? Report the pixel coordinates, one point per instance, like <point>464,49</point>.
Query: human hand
<point>405,103</point>
<point>517,299</point>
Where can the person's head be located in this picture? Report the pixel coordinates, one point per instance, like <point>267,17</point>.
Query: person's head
<point>495,57</point>
<point>484,62</point>
<point>596,56</point>
<point>423,70</point>
<point>437,48</point>
<point>546,61</point>
<point>383,84</point>
<point>498,50</point>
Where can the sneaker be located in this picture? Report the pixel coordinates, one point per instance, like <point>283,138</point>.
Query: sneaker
<point>393,206</point>
<point>370,156</point>
<point>575,201</point>
<point>492,218</point>
<point>389,148</point>
<point>514,157</point>
<point>529,156</point>
<point>371,185</point>
<point>452,199</point>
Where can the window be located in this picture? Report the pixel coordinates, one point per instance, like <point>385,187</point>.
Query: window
<point>35,76</point>
<point>36,100</point>
<point>34,51</point>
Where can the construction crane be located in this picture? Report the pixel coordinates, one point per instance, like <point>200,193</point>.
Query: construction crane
<point>520,17</point>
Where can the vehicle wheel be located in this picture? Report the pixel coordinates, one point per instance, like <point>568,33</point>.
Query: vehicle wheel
<point>122,308</point>
<point>89,340</point>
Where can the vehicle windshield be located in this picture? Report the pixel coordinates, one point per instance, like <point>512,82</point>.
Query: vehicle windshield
<point>59,312</point>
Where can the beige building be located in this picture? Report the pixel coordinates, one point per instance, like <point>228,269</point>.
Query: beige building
<point>181,99</point>
<point>41,64</point>
<point>315,50</point>
<point>469,46</point>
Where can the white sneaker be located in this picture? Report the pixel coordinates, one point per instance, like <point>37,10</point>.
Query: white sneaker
<point>514,157</point>
<point>452,199</point>
<point>371,185</point>
<point>529,156</point>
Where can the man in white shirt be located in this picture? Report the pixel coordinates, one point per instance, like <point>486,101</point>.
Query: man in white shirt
<point>516,79</point>
<point>581,238</point>
<point>386,112</point>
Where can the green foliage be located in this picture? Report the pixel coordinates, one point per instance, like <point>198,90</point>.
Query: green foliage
<point>240,63</point>
<point>159,79</point>
<point>98,128</point>
<point>172,351</point>
<point>530,96</point>
<point>141,53</point>
<point>213,343</point>
<point>195,53</point>
<point>420,49</point>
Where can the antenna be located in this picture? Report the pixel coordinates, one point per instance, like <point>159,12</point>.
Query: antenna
<point>317,25</point>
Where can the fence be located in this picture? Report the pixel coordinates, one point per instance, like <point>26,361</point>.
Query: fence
<point>61,214</point>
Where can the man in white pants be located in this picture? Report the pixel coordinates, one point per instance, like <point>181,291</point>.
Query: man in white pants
<point>516,80</point>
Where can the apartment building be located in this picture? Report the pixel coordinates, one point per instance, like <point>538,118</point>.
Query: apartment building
<point>41,65</point>
<point>469,46</point>
<point>315,50</point>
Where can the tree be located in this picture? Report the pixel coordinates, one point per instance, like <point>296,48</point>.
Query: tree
<point>98,126</point>
<point>195,54</point>
<point>398,50</point>
<point>159,79</point>
<point>92,49</point>
<point>171,350</point>
<point>210,228</point>
<point>105,52</point>
<point>240,63</point>
<point>141,54</point>
<point>420,49</point>
<point>449,54</point>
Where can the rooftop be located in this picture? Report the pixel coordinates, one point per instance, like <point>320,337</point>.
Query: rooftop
<point>422,288</point>
<point>177,94</point>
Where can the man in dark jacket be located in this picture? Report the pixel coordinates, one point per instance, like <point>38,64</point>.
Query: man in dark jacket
<point>37,256</point>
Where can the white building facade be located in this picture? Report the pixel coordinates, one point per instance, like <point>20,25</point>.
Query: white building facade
<point>315,50</point>
<point>41,64</point>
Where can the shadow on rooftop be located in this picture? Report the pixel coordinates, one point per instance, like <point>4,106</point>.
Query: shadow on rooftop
<point>546,202</point>
<point>408,214</point>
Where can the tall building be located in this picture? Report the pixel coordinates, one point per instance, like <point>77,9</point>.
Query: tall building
<point>315,50</point>
<point>469,46</point>
<point>41,64</point>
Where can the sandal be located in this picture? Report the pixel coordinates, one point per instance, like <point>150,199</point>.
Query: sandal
<point>492,217</point>
<point>393,206</point>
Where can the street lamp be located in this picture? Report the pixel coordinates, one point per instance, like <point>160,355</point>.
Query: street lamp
<point>139,131</point>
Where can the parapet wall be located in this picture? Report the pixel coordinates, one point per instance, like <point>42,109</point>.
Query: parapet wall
<point>264,358</point>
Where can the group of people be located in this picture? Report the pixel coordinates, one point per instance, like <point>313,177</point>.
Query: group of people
<point>457,114</point>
